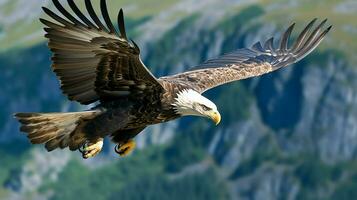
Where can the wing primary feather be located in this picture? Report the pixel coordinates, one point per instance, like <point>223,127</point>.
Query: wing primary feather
<point>285,38</point>
<point>313,44</point>
<point>80,14</point>
<point>94,16</point>
<point>257,47</point>
<point>121,24</point>
<point>50,24</point>
<point>56,17</point>
<point>269,45</point>
<point>314,33</point>
<point>137,49</point>
<point>103,7</point>
<point>66,13</point>
<point>302,36</point>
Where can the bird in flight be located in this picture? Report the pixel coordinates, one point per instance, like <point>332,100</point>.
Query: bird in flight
<point>95,62</point>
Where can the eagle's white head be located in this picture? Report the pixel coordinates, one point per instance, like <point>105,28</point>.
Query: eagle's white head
<point>190,102</point>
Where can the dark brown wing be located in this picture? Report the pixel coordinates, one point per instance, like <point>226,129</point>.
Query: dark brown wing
<point>92,60</point>
<point>256,61</point>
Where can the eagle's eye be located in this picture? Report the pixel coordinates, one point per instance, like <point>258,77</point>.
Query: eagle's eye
<point>205,108</point>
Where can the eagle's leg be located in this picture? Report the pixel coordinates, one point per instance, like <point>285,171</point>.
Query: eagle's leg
<point>92,148</point>
<point>125,148</point>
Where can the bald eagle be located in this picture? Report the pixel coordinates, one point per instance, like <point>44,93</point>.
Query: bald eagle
<point>97,63</point>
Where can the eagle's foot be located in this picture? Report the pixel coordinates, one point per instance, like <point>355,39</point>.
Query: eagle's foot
<point>91,149</point>
<point>124,149</point>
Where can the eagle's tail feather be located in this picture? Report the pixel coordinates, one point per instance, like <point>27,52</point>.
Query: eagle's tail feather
<point>56,130</point>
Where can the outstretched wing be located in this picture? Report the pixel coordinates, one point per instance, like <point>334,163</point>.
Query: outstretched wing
<point>256,61</point>
<point>94,61</point>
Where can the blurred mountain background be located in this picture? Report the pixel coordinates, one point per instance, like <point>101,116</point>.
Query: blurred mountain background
<point>291,134</point>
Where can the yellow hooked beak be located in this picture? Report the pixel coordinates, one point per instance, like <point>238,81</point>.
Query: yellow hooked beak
<point>216,117</point>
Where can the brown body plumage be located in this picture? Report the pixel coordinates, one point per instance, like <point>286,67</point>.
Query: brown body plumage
<point>95,62</point>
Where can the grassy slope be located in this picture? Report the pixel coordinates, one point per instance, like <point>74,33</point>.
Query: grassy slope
<point>300,11</point>
<point>25,34</point>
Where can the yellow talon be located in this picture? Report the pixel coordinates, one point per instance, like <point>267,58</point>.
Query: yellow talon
<point>91,149</point>
<point>126,148</point>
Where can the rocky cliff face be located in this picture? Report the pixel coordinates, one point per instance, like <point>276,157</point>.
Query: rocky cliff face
<point>287,135</point>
